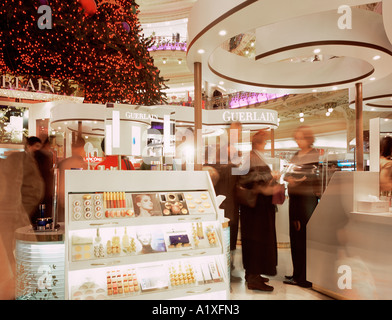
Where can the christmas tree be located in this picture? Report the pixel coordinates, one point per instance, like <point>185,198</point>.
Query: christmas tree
<point>98,45</point>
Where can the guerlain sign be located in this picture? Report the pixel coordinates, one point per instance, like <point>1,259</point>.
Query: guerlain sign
<point>26,84</point>
<point>140,116</point>
<point>259,116</point>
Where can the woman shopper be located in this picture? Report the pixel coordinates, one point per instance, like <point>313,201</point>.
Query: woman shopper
<point>304,191</point>
<point>258,234</point>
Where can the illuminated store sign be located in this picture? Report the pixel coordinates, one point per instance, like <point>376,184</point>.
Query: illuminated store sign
<point>140,116</point>
<point>261,116</point>
<point>26,84</point>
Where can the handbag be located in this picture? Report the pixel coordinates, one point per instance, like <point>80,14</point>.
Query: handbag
<point>246,197</point>
<point>279,196</point>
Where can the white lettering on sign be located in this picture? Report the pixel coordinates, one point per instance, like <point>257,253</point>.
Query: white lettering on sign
<point>249,116</point>
<point>140,116</point>
<point>15,83</point>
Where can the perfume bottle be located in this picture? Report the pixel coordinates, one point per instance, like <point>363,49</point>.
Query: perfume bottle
<point>99,251</point>
<point>125,242</point>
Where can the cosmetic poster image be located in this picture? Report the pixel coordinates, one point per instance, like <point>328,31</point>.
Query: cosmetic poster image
<point>150,241</point>
<point>146,205</point>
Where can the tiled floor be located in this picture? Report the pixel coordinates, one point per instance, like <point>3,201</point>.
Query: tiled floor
<point>281,291</point>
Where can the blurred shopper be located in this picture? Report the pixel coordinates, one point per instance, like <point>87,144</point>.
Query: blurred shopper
<point>76,161</point>
<point>386,165</point>
<point>21,191</point>
<point>224,183</point>
<point>112,161</point>
<point>304,189</point>
<point>44,158</point>
<point>33,144</point>
<point>258,233</point>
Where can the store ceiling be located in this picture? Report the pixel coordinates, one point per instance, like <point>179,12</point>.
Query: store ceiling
<point>312,104</point>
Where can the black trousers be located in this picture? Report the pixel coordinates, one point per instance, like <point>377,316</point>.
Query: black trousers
<point>300,209</point>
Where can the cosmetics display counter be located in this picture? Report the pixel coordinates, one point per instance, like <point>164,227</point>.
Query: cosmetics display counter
<point>348,249</point>
<point>40,264</point>
<point>143,235</point>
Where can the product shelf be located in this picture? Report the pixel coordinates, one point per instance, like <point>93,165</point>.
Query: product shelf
<point>115,250</point>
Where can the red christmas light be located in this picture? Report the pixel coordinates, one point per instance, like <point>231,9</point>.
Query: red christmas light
<point>96,51</point>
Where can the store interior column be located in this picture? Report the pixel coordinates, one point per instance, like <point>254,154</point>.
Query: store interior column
<point>198,117</point>
<point>359,126</point>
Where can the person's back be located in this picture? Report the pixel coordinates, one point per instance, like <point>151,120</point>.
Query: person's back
<point>44,159</point>
<point>21,191</point>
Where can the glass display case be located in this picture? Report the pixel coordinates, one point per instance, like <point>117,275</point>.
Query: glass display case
<point>143,235</point>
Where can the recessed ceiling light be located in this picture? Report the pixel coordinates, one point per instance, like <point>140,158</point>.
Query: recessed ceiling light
<point>314,90</point>
<point>201,51</point>
<point>376,57</point>
<point>328,114</point>
<point>334,88</point>
<point>372,79</point>
<point>222,33</point>
<point>221,83</point>
<point>302,119</point>
<point>301,114</point>
<point>315,51</point>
